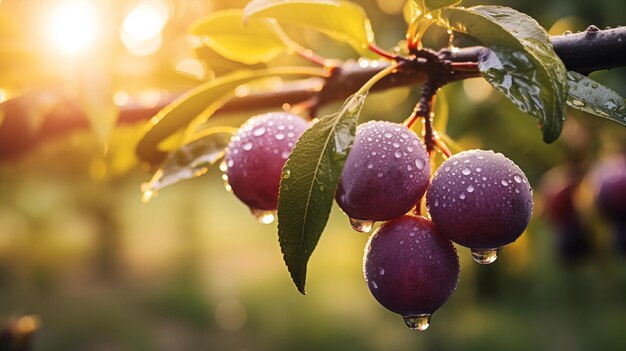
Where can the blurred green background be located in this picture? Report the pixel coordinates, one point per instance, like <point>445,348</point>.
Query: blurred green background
<point>92,268</point>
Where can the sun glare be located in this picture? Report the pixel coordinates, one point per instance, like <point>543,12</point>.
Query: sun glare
<point>72,27</point>
<point>141,30</point>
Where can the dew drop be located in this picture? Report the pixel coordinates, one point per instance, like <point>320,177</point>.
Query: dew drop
<point>504,182</point>
<point>286,173</point>
<point>360,225</point>
<point>517,178</point>
<point>462,196</point>
<point>478,169</point>
<point>381,271</point>
<point>436,203</point>
<point>419,163</point>
<point>263,216</point>
<point>229,163</point>
<point>258,131</point>
<point>398,154</point>
<point>485,256</point>
<point>370,166</point>
<point>388,135</point>
<point>284,154</point>
<point>280,136</point>
<point>374,285</point>
<point>404,136</point>
<point>409,168</point>
<point>380,175</point>
<point>419,322</point>
<point>396,145</point>
<point>466,171</point>
<point>470,189</point>
<point>247,146</point>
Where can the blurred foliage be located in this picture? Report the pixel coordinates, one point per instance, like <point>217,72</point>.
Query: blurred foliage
<point>192,270</point>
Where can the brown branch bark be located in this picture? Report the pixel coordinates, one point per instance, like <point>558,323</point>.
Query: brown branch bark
<point>583,52</point>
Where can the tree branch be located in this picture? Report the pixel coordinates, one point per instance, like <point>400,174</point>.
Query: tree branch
<point>583,52</point>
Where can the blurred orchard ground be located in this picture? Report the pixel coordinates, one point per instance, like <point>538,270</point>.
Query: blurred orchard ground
<point>89,267</point>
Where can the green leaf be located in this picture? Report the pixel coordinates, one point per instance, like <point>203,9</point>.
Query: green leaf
<point>206,99</point>
<point>414,9</point>
<point>506,32</point>
<point>190,161</point>
<point>224,31</point>
<point>342,20</point>
<point>587,95</point>
<point>309,180</point>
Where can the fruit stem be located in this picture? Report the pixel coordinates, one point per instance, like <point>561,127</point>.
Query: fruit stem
<point>380,75</point>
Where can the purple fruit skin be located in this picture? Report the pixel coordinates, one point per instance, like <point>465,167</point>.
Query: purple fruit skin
<point>375,183</point>
<point>609,176</point>
<point>409,268</point>
<point>480,199</point>
<point>256,155</point>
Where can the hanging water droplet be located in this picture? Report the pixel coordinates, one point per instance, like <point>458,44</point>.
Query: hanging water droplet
<point>419,322</point>
<point>419,163</point>
<point>258,131</point>
<point>361,225</point>
<point>466,171</point>
<point>517,178</point>
<point>485,256</point>
<point>264,216</point>
<point>247,146</point>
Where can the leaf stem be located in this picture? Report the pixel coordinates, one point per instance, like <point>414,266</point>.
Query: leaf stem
<point>378,76</point>
<point>381,52</point>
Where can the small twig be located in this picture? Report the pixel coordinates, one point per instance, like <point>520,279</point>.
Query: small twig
<point>382,53</point>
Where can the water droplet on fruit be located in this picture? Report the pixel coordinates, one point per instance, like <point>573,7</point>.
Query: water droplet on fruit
<point>247,146</point>
<point>285,154</point>
<point>504,182</point>
<point>485,256</point>
<point>280,136</point>
<point>263,216</point>
<point>466,171</point>
<point>470,189</point>
<point>381,174</point>
<point>398,154</point>
<point>360,225</point>
<point>381,271</point>
<point>374,285</point>
<point>462,196</point>
<point>388,135</point>
<point>396,145</point>
<point>419,322</point>
<point>258,131</point>
<point>517,178</point>
<point>419,163</point>
<point>404,136</point>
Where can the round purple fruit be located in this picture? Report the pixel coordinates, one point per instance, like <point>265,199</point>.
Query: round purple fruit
<point>481,200</point>
<point>256,155</point>
<point>385,174</point>
<point>609,178</point>
<point>410,269</point>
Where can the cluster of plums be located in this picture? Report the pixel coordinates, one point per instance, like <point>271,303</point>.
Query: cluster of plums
<point>562,188</point>
<point>477,199</point>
